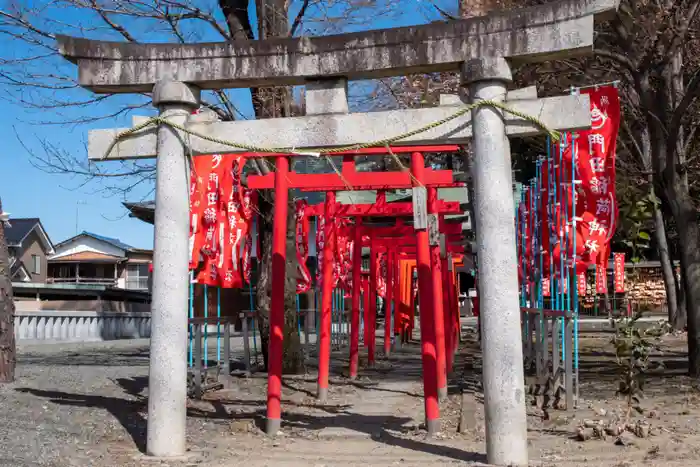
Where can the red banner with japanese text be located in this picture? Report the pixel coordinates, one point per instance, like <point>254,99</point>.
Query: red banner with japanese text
<point>619,272</point>
<point>320,243</point>
<point>581,281</point>
<point>381,274</point>
<point>220,216</point>
<point>601,279</point>
<point>302,245</point>
<point>595,164</point>
<point>546,287</point>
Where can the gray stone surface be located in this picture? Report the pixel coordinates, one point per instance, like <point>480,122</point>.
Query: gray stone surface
<point>529,92</point>
<point>532,34</point>
<point>561,112</point>
<point>168,368</point>
<point>503,377</point>
<point>328,96</point>
<point>80,326</point>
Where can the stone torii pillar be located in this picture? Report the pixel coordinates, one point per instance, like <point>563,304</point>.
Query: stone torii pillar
<point>504,396</point>
<point>167,402</point>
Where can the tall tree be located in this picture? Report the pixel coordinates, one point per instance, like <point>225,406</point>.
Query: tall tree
<point>7,310</point>
<point>653,45</point>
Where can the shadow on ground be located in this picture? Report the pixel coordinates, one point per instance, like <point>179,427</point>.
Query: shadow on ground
<point>130,413</point>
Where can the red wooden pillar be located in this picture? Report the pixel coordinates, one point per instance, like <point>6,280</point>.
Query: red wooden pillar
<point>355,317</point>
<point>388,331</point>
<point>449,315</point>
<point>324,351</point>
<point>455,307</point>
<point>279,264</point>
<point>412,314</point>
<point>428,350</point>
<point>372,292</point>
<point>398,309</point>
<point>365,306</point>
<point>438,311</point>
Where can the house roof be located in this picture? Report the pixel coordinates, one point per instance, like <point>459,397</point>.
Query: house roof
<point>112,241</point>
<point>20,228</point>
<point>87,256</point>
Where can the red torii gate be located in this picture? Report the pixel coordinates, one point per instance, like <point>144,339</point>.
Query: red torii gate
<point>349,178</point>
<point>390,238</point>
<point>449,301</point>
<point>398,231</point>
<point>394,238</point>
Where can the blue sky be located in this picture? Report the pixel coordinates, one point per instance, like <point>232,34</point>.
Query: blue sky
<point>62,203</point>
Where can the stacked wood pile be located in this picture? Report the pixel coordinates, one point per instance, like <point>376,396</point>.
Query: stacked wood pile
<point>646,287</point>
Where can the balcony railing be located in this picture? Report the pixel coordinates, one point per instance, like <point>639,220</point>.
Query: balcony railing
<point>137,283</point>
<point>82,280</point>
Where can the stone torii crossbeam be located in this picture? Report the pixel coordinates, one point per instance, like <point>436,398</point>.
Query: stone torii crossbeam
<point>482,48</point>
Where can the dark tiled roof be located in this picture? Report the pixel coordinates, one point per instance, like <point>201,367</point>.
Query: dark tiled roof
<point>19,228</point>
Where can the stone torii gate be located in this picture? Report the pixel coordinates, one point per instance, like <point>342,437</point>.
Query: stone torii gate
<point>482,48</point>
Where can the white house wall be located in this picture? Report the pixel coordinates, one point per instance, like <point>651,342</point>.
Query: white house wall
<point>87,244</point>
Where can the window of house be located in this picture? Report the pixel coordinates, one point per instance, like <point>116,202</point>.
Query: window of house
<point>137,276</point>
<point>36,264</point>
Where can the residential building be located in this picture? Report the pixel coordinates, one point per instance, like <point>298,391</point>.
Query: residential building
<point>29,246</point>
<point>90,258</point>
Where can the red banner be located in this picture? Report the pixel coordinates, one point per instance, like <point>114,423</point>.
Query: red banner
<point>619,272</point>
<point>546,287</point>
<point>302,245</point>
<point>220,216</point>
<point>596,169</point>
<point>381,274</point>
<point>320,242</point>
<point>601,279</point>
<point>581,280</point>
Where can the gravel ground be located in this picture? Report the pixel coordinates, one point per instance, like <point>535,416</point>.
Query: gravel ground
<point>59,407</point>
<point>84,405</point>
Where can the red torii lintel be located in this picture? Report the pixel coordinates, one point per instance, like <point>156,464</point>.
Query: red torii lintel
<point>350,178</point>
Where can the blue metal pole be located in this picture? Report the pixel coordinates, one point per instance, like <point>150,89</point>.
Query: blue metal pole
<point>560,203</point>
<point>218,324</point>
<point>574,181</point>
<point>551,203</point>
<point>190,314</point>
<point>206,324</point>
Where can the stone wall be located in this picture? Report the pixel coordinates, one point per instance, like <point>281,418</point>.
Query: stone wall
<point>79,326</point>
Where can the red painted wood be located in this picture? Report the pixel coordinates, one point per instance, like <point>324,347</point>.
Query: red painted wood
<point>279,264</point>
<point>371,345</point>
<point>382,209</point>
<point>353,181</point>
<point>428,351</point>
<point>355,317</point>
<point>324,352</point>
<point>438,312</point>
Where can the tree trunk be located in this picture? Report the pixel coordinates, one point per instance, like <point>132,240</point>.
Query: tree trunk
<point>683,210</point>
<point>666,266</point>
<point>7,313</point>
<point>670,282</point>
<point>682,316</point>
<point>293,357</point>
<point>272,21</point>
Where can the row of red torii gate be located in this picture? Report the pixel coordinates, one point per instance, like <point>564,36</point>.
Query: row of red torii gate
<point>404,238</point>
